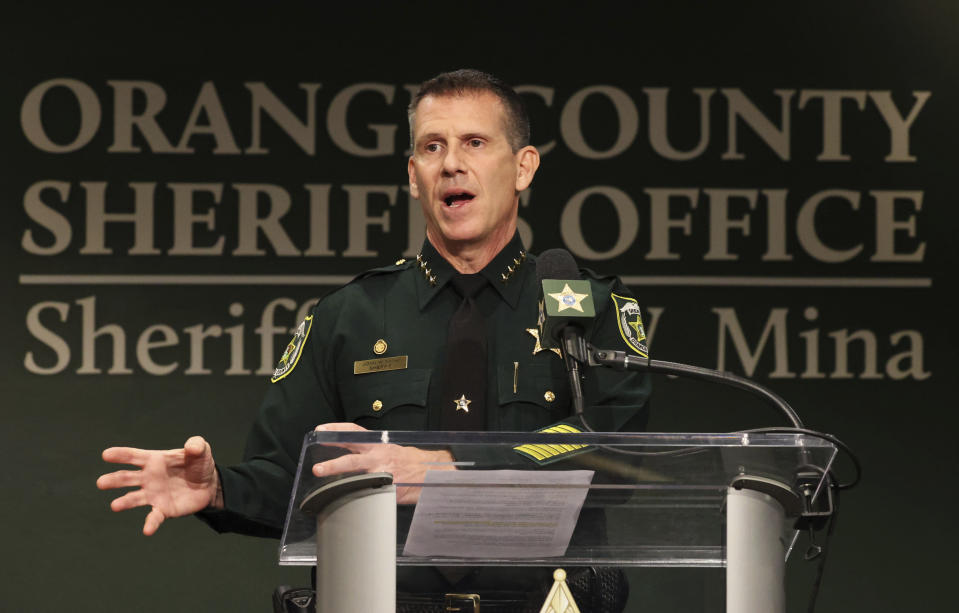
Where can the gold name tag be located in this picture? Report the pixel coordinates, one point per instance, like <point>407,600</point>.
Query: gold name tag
<point>379,365</point>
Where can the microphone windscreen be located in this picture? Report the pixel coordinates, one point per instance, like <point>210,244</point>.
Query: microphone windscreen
<point>565,298</point>
<point>556,264</point>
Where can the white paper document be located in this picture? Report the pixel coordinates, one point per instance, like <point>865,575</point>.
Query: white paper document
<point>497,513</point>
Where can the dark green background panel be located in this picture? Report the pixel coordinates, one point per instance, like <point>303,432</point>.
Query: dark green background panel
<point>893,546</point>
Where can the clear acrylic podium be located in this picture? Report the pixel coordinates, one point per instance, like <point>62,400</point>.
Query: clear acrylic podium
<point>654,499</point>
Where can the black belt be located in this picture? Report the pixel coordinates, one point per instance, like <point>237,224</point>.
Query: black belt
<point>602,590</point>
<point>496,602</point>
<point>596,590</point>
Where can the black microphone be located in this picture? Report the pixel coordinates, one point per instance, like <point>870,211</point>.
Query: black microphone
<point>565,309</point>
<point>566,301</point>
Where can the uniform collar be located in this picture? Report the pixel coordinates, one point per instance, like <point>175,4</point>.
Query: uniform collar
<point>505,272</point>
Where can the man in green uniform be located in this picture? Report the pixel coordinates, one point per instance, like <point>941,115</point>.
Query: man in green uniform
<point>471,159</point>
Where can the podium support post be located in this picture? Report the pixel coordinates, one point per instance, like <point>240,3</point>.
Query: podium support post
<point>755,553</point>
<point>355,544</point>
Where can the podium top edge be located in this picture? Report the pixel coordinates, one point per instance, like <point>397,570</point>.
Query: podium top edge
<point>640,439</point>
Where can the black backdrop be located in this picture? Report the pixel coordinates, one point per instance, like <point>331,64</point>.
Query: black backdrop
<point>772,181</point>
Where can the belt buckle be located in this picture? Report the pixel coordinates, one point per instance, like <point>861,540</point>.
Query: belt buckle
<point>459,602</point>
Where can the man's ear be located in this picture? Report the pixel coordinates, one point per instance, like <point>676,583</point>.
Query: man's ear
<point>414,190</point>
<point>527,160</point>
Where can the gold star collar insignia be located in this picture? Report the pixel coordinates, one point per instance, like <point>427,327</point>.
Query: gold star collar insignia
<point>568,299</point>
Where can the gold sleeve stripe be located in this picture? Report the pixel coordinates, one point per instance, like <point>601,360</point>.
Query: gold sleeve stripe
<point>530,451</point>
<point>542,452</point>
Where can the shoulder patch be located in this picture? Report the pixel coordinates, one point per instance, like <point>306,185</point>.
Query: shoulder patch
<point>630,323</point>
<point>545,453</point>
<point>291,355</point>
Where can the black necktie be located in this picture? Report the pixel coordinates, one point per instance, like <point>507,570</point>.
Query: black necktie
<point>462,404</point>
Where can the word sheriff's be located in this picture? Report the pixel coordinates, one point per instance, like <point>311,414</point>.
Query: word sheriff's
<point>368,221</point>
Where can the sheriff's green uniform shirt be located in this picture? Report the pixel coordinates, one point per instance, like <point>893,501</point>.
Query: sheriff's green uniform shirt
<point>404,310</point>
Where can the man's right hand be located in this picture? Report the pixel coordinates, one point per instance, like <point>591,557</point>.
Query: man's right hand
<point>174,482</point>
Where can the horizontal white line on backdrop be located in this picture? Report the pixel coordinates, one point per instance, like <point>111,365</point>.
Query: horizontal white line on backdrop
<point>691,281</point>
<point>185,279</point>
<point>783,281</point>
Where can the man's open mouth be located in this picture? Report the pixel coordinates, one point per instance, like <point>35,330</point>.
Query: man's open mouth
<point>455,199</point>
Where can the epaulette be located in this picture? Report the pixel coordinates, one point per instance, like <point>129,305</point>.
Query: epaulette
<point>596,276</point>
<point>397,266</point>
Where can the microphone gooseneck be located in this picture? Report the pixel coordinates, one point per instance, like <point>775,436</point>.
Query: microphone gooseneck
<point>621,360</point>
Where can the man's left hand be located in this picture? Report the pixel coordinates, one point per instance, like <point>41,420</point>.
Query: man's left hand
<point>406,464</point>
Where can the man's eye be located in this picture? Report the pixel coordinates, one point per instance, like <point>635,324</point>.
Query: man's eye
<point>432,147</point>
<point>475,142</point>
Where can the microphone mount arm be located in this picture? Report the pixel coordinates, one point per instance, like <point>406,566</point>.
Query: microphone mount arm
<point>620,360</point>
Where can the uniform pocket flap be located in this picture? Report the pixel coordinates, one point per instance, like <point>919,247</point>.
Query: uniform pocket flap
<point>376,394</point>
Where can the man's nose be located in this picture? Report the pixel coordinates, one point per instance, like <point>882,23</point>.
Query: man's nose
<point>453,162</point>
